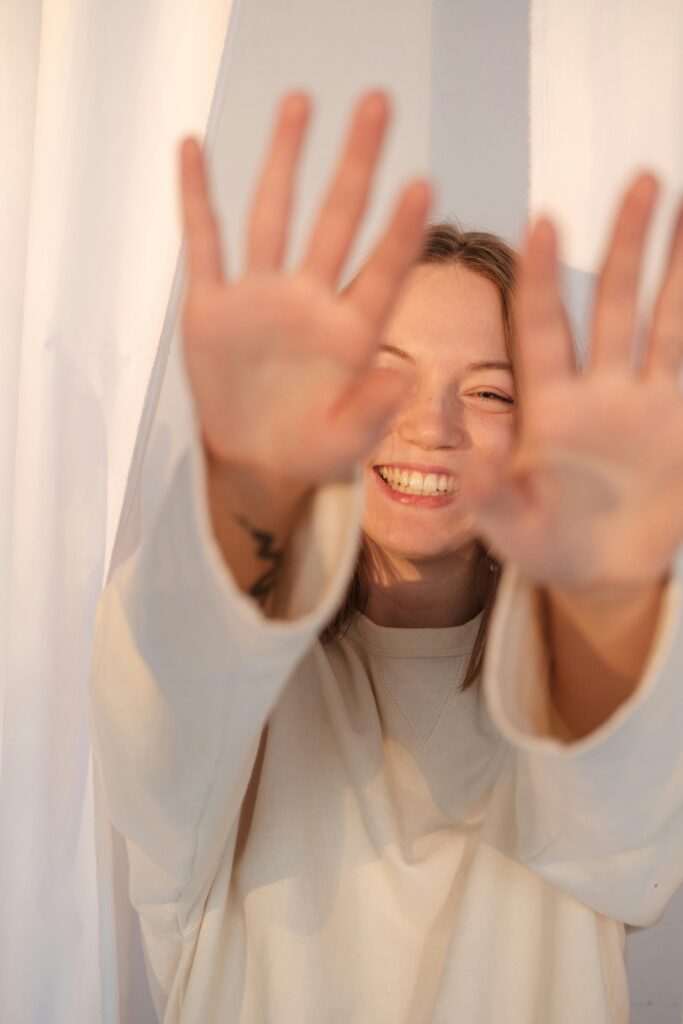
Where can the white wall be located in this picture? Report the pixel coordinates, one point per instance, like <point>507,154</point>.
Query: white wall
<point>478,120</point>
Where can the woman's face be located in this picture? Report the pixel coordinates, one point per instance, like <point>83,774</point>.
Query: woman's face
<point>448,321</point>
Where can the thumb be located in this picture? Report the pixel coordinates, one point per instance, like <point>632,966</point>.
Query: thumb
<point>482,482</point>
<point>493,491</point>
<point>366,411</point>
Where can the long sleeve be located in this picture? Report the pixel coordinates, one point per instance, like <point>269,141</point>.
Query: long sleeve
<point>600,817</point>
<point>185,671</point>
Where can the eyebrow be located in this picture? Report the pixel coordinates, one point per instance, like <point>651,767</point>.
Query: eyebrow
<point>470,368</point>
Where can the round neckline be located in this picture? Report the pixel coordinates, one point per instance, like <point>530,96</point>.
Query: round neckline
<point>406,642</point>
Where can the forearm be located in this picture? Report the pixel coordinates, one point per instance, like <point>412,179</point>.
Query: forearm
<point>599,642</point>
<point>184,677</point>
<point>253,519</point>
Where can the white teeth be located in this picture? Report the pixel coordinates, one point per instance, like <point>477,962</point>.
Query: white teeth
<point>407,482</point>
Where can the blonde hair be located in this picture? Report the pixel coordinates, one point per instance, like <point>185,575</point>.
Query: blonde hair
<point>486,254</point>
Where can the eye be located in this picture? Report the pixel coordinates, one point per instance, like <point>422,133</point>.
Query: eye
<point>499,398</point>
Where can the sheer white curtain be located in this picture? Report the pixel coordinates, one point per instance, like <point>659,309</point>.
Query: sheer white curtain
<point>605,89</point>
<point>606,81</point>
<point>93,99</point>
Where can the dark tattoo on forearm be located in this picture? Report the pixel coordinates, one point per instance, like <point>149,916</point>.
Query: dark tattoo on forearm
<point>264,584</point>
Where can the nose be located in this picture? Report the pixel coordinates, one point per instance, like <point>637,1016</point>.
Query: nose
<point>433,418</point>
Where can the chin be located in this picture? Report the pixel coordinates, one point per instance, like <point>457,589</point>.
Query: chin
<point>415,548</point>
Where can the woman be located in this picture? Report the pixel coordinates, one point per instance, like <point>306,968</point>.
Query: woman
<point>325,820</point>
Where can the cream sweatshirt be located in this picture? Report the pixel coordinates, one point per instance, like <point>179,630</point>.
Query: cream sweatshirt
<point>334,834</point>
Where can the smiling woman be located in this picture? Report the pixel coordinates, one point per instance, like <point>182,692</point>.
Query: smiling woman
<point>454,328</point>
<point>325,830</point>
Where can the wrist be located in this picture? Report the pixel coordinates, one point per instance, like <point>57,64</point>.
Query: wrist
<point>615,623</point>
<point>252,487</point>
<point>607,597</point>
<point>253,516</point>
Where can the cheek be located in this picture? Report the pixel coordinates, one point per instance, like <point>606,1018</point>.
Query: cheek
<point>384,450</point>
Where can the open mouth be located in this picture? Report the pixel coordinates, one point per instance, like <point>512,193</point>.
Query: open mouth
<point>401,492</point>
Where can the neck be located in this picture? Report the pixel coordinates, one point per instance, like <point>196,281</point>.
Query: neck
<point>419,594</point>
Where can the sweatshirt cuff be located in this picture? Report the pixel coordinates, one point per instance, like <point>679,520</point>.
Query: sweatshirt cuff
<point>318,568</point>
<point>516,671</point>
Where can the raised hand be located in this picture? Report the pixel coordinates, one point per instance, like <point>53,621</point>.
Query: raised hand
<point>592,494</point>
<point>280,364</point>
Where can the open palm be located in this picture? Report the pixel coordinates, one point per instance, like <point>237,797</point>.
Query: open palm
<point>592,493</point>
<point>280,364</point>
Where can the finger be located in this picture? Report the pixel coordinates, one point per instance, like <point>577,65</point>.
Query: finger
<point>347,196</point>
<point>616,298</point>
<point>545,346</point>
<point>363,416</point>
<point>272,202</point>
<point>487,485</point>
<point>374,290</point>
<point>204,260</point>
<point>664,351</point>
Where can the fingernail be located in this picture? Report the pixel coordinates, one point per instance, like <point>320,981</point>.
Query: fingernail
<point>376,104</point>
<point>296,104</point>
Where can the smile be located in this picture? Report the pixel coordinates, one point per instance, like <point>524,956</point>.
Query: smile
<point>404,494</point>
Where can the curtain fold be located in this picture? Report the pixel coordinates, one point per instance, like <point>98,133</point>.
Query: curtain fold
<point>95,97</point>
